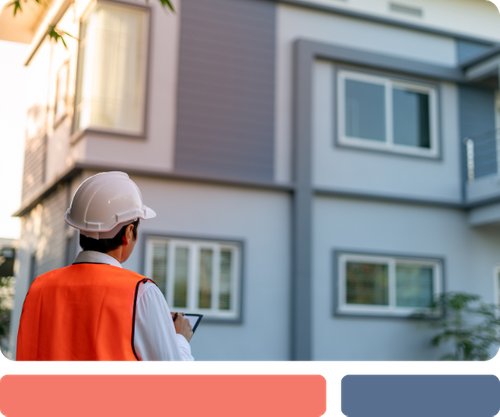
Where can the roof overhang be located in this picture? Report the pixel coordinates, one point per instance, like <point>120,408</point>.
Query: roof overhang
<point>485,68</point>
<point>23,26</point>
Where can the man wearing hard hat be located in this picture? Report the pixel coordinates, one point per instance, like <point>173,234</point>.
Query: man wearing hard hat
<point>94,309</point>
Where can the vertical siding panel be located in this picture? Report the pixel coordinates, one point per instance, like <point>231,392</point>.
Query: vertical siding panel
<point>225,123</point>
<point>477,117</point>
<point>35,154</point>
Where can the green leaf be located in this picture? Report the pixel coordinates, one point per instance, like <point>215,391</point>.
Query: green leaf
<point>167,3</point>
<point>17,6</point>
<point>55,34</point>
<point>470,324</point>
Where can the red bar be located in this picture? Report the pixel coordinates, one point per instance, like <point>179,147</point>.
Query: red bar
<point>162,395</point>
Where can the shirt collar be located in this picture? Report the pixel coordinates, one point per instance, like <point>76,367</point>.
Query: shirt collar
<point>93,257</point>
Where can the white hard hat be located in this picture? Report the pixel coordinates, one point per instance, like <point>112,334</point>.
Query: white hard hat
<point>104,203</point>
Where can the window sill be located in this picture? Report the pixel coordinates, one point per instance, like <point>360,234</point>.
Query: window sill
<point>221,320</point>
<point>75,137</point>
<point>390,150</point>
<point>351,311</point>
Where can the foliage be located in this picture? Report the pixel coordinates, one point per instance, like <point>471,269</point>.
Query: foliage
<point>468,322</point>
<point>164,3</point>
<point>57,34</point>
<point>6,294</point>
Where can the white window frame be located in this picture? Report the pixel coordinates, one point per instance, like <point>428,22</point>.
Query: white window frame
<point>391,310</point>
<point>194,246</point>
<point>388,83</point>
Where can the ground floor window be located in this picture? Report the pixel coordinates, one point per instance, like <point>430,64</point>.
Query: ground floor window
<point>197,276</point>
<point>385,285</point>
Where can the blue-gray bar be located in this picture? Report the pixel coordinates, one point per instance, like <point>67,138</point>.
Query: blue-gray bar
<point>420,395</point>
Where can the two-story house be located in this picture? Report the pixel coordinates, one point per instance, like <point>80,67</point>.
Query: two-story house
<point>320,168</point>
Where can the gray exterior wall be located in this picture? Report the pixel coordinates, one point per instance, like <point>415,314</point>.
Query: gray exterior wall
<point>470,256</point>
<point>259,218</point>
<point>299,23</point>
<point>42,247</point>
<point>363,170</point>
<point>235,120</point>
<point>225,123</point>
<point>374,226</point>
<point>51,248</point>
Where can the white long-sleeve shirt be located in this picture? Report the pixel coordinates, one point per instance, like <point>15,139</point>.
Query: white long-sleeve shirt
<point>155,338</point>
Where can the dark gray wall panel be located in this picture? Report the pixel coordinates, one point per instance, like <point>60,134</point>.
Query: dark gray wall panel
<point>467,50</point>
<point>477,121</point>
<point>225,120</point>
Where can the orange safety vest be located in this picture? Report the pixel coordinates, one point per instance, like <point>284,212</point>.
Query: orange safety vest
<point>84,312</point>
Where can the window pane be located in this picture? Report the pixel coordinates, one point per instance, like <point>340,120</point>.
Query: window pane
<point>181,276</point>
<point>225,280</point>
<point>365,110</point>
<point>367,283</point>
<point>411,118</point>
<point>205,294</point>
<point>160,259</point>
<point>414,285</point>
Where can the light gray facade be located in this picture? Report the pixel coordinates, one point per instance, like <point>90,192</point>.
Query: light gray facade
<point>244,144</point>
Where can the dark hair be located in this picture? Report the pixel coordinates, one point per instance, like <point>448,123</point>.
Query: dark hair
<point>106,245</point>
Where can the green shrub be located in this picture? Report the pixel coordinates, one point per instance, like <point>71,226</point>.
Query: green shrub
<point>470,324</point>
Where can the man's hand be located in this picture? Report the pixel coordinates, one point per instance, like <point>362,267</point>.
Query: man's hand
<point>183,326</point>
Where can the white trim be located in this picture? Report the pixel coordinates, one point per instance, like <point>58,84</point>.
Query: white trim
<point>391,261</point>
<point>392,282</point>
<point>149,258</point>
<point>214,302</point>
<point>193,283</point>
<point>170,273</point>
<point>389,84</point>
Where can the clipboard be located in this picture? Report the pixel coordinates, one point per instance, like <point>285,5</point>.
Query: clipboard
<point>194,319</point>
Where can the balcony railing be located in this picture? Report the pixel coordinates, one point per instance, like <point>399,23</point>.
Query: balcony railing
<point>483,155</point>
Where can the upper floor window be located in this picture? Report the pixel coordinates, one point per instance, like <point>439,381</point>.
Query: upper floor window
<point>387,114</point>
<point>383,285</point>
<point>196,276</point>
<point>112,69</point>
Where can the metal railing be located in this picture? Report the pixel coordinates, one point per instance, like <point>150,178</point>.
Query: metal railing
<point>483,155</point>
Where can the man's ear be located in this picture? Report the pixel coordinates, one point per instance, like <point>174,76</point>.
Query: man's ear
<point>128,235</point>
